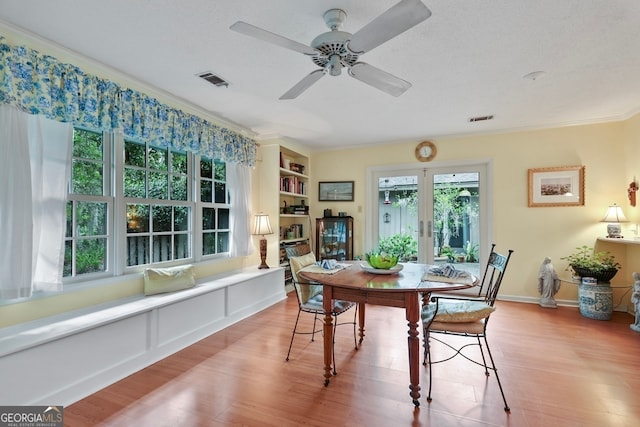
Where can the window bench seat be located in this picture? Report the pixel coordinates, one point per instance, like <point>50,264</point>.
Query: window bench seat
<point>61,359</point>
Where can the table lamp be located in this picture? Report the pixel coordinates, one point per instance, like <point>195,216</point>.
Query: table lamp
<point>614,217</point>
<point>262,227</point>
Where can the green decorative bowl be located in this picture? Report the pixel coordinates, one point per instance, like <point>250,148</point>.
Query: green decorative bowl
<point>382,261</point>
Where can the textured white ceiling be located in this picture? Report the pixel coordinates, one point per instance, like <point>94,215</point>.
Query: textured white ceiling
<point>468,59</point>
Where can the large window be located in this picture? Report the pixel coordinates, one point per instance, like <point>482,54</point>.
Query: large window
<point>138,208</point>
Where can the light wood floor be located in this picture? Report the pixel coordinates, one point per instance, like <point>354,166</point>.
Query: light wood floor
<point>557,367</point>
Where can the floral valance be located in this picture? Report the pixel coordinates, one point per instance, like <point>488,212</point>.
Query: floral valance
<point>40,84</point>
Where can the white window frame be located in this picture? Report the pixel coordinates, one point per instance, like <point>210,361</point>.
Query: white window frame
<point>116,256</point>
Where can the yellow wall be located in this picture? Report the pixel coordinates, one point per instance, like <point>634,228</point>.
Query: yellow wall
<point>532,232</point>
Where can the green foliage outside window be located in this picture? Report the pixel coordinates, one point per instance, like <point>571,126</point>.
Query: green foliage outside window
<point>88,163</point>
<point>156,232</point>
<point>86,223</point>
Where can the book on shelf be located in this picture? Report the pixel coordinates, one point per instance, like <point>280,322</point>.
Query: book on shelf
<point>291,184</point>
<point>293,231</point>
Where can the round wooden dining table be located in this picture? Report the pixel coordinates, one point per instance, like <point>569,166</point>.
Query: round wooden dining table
<point>356,282</point>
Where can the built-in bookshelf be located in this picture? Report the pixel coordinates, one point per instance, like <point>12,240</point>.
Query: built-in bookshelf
<point>294,223</point>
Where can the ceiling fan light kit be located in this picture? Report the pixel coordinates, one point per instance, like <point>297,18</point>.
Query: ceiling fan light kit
<point>334,50</point>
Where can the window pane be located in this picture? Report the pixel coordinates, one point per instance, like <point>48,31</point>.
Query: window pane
<point>162,248</point>
<point>69,219</point>
<point>87,144</point>
<point>221,192</point>
<point>206,191</point>
<point>178,188</point>
<point>68,258</point>
<point>158,158</point>
<point>91,255</point>
<point>137,250</point>
<point>206,168</point>
<point>137,218</point>
<point>208,218</point>
<point>134,183</point>
<point>162,218</point>
<point>135,154</point>
<point>87,177</point>
<point>182,246</point>
<point>223,242</point>
<point>91,219</point>
<point>178,162</point>
<point>223,218</point>
<point>221,171</point>
<point>208,243</point>
<point>158,186</point>
<point>181,218</point>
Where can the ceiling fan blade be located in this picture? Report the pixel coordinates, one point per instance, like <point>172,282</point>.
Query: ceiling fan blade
<point>259,33</point>
<point>379,79</point>
<point>395,21</point>
<point>304,84</point>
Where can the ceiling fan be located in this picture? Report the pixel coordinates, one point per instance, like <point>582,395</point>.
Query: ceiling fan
<point>336,49</point>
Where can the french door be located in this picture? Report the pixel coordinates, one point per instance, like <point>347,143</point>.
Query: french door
<point>437,214</point>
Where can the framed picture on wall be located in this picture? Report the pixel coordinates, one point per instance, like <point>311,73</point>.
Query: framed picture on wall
<point>558,186</point>
<point>335,191</point>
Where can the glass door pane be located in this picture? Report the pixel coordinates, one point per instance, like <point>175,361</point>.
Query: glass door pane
<point>398,216</point>
<point>455,230</point>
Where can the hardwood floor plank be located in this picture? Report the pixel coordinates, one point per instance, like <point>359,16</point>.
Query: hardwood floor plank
<point>557,368</point>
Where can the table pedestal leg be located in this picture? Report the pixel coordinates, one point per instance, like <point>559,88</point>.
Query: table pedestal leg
<point>413,342</point>
<point>327,305</point>
<point>361,313</point>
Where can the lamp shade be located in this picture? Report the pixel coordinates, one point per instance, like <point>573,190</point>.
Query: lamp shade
<point>614,214</point>
<point>261,225</point>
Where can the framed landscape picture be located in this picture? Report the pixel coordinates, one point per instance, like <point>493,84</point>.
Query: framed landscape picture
<point>335,191</point>
<point>558,186</point>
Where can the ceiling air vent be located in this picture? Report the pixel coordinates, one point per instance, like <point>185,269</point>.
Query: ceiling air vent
<point>480,119</point>
<point>213,79</point>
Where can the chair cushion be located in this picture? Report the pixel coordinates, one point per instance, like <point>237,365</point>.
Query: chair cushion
<point>297,263</point>
<point>471,328</point>
<point>457,311</point>
<point>309,292</point>
<point>161,280</point>
<point>315,304</point>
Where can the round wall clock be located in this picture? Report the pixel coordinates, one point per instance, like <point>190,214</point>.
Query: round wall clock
<point>426,151</point>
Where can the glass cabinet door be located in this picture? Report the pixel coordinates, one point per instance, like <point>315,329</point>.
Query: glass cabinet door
<point>334,238</point>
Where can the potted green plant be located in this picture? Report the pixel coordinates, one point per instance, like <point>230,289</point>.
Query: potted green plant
<point>586,262</point>
<point>471,252</point>
<point>404,246</point>
<point>448,252</point>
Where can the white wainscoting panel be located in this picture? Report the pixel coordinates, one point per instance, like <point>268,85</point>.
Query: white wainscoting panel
<point>62,359</point>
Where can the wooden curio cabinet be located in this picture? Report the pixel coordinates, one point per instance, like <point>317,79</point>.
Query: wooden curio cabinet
<point>334,238</point>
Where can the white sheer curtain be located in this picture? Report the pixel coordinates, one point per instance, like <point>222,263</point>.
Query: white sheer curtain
<point>239,181</point>
<point>34,167</point>
<point>15,224</point>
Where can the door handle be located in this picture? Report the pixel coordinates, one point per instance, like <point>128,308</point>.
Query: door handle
<point>429,225</point>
